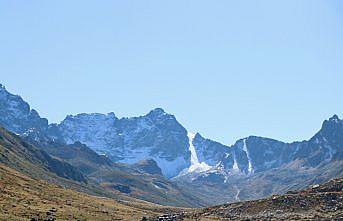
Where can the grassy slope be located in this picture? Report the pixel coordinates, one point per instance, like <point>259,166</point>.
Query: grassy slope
<point>23,198</point>
<point>30,160</point>
<point>36,164</point>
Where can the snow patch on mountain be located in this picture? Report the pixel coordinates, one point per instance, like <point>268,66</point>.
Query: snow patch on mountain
<point>195,164</point>
<point>235,167</point>
<point>250,169</point>
<point>96,130</point>
<point>171,167</point>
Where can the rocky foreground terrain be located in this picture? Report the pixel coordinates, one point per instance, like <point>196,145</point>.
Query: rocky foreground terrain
<point>319,202</point>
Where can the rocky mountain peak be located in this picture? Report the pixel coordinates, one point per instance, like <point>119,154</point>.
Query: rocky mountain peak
<point>331,134</point>
<point>16,114</point>
<point>156,135</point>
<point>159,114</point>
<point>157,111</point>
<point>335,118</point>
<point>333,124</point>
<point>91,116</point>
<point>3,91</point>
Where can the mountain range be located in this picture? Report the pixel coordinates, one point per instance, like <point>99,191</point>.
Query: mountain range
<point>125,154</point>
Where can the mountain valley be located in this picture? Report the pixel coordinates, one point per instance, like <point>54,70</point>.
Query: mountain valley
<point>152,163</point>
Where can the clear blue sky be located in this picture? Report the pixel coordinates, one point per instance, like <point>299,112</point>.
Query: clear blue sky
<point>227,69</point>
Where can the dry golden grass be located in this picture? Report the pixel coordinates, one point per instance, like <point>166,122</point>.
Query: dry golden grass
<point>23,198</point>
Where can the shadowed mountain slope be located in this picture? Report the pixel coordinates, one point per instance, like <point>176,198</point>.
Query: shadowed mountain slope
<point>32,161</point>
